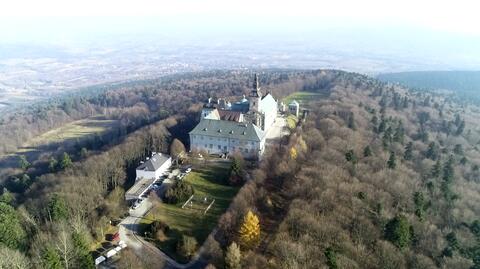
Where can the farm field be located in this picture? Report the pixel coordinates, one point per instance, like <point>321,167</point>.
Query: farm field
<point>208,181</point>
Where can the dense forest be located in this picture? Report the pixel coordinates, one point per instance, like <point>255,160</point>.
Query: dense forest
<point>464,84</point>
<point>377,177</point>
<point>49,220</point>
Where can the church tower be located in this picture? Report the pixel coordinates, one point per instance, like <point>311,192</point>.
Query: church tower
<point>255,95</point>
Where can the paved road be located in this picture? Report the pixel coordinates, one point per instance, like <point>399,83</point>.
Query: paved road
<point>277,130</point>
<point>129,233</point>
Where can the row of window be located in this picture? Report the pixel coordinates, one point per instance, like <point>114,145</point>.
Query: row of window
<point>241,142</point>
<point>225,148</point>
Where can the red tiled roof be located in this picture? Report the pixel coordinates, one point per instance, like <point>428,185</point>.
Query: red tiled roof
<point>229,115</point>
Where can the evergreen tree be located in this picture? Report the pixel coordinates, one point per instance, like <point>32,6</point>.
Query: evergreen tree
<point>420,205</point>
<point>12,233</point>
<point>57,209</point>
<point>7,197</point>
<point>460,128</point>
<point>350,156</point>
<point>367,151</point>
<point>249,231</point>
<point>351,121</point>
<point>24,163</point>
<point>233,257</point>
<point>408,154</point>
<point>448,170</point>
<point>399,135</point>
<point>391,163</point>
<point>51,259</point>
<point>331,258</point>
<point>82,251</point>
<point>458,120</point>
<point>433,151</point>
<point>398,232</point>
<point>66,161</point>
<point>458,149</point>
<point>52,164</point>
<point>405,102</point>
<point>437,169</point>
<point>382,126</point>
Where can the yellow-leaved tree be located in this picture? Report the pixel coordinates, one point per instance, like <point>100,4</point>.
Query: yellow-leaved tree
<point>293,153</point>
<point>249,234</point>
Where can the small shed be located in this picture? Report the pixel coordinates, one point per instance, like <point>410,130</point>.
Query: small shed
<point>294,108</point>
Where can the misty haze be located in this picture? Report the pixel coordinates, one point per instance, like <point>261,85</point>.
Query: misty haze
<point>239,134</point>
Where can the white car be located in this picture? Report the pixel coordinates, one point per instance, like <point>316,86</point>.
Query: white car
<point>188,170</point>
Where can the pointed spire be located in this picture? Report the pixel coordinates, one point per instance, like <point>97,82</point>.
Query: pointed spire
<point>256,88</point>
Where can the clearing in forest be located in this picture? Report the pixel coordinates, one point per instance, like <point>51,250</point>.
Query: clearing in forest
<point>303,97</point>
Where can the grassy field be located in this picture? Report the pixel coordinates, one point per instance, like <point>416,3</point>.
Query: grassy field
<point>302,97</point>
<point>208,181</point>
<point>74,130</point>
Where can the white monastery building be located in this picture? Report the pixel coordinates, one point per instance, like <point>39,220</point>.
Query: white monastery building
<point>226,128</point>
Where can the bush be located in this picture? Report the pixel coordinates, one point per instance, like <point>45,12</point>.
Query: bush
<point>187,246</point>
<point>179,192</point>
<point>158,225</point>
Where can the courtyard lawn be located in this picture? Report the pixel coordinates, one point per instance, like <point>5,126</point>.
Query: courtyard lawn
<point>208,181</point>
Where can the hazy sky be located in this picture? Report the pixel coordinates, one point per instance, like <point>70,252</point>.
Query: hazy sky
<point>27,18</point>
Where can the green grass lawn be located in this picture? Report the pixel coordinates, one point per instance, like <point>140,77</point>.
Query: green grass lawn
<point>209,181</point>
<point>302,97</point>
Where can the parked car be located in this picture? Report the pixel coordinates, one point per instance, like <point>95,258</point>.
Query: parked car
<point>136,204</point>
<point>114,237</point>
<point>99,260</point>
<point>188,170</point>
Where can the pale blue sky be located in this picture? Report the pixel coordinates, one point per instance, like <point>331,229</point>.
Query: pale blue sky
<point>21,19</point>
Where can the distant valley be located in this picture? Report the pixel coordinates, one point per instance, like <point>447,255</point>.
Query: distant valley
<point>462,83</point>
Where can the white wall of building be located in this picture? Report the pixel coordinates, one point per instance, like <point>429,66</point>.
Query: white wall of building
<point>269,107</point>
<point>216,145</point>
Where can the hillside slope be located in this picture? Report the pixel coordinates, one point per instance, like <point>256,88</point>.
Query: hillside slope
<point>377,177</point>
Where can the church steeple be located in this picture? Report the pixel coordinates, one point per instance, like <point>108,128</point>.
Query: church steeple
<point>256,88</point>
<point>255,96</point>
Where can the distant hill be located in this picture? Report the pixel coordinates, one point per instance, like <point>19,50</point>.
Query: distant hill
<point>463,83</point>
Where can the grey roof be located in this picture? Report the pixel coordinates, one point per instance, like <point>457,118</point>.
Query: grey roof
<point>154,163</point>
<point>294,103</point>
<point>228,129</point>
<point>140,187</point>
